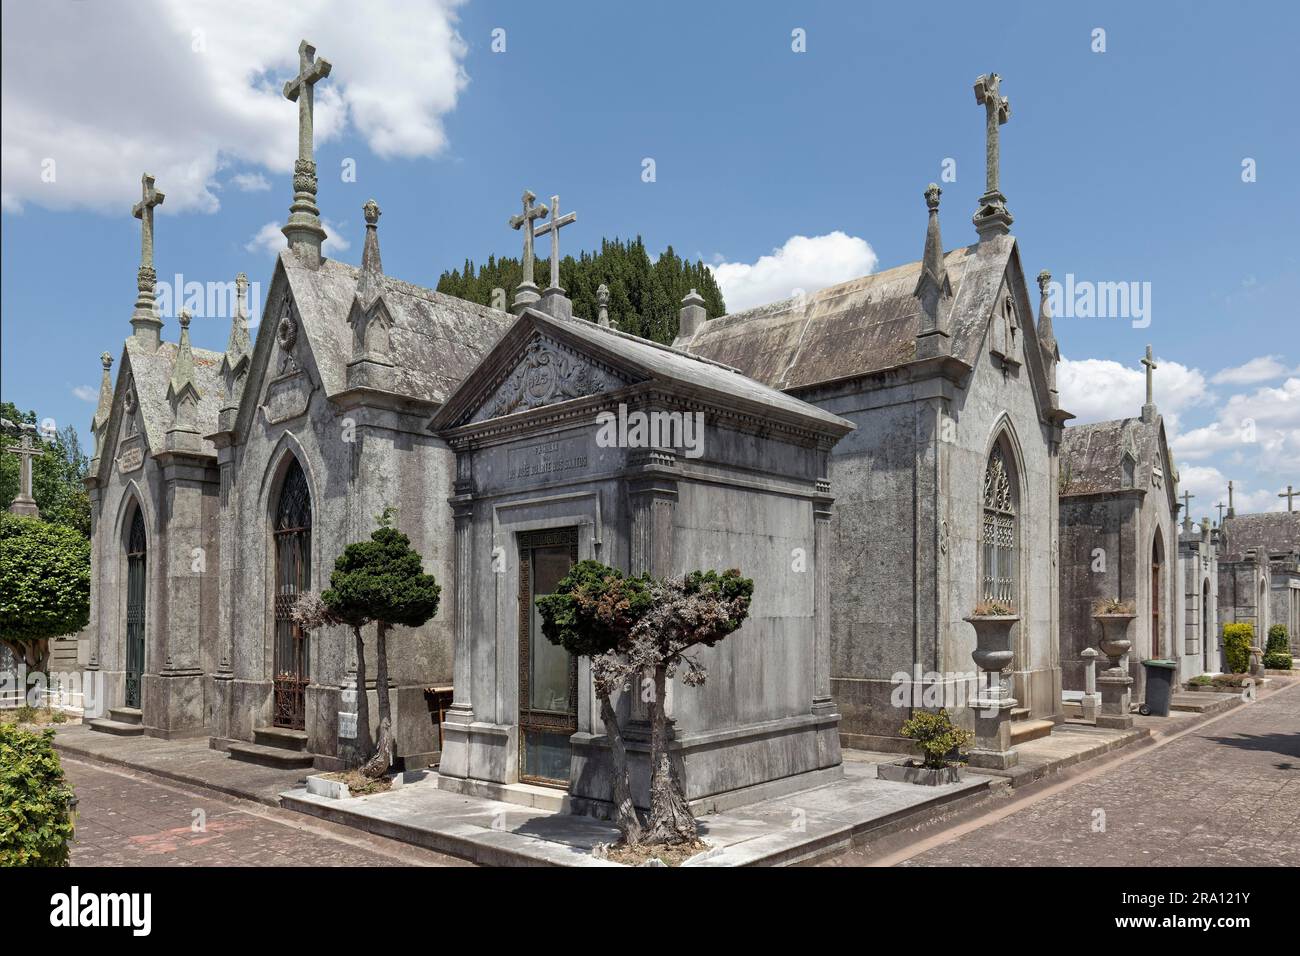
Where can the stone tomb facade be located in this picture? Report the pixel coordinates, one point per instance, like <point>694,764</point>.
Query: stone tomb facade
<point>1259,573</point>
<point>538,488</point>
<point>1198,555</point>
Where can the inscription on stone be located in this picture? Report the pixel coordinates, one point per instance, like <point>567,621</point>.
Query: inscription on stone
<point>548,458</point>
<point>347,725</point>
<point>132,457</point>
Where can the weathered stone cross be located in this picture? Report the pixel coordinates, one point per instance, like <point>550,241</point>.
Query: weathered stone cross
<point>553,227</point>
<point>997,110</point>
<point>1289,495</point>
<point>1220,506</point>
<point>24,503</point>
<point>300,90</point>
<point>1230,508</point>
<point>304,230</point>
<point>1151,367</point>
<point>143,210</point>
<point>525,221</point>
<point>1187,496</point>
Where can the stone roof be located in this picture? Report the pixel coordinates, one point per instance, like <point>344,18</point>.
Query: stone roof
<point>1277,532</point>
<point>435,339</point>
<point>152,371</point>
<point>700,376</point>
<point>858,327</point>
<point>1092,456</point>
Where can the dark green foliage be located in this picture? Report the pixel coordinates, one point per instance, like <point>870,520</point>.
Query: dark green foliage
<point>57,475</point>
<point>644,297</point>
<point>593,608</point>
<point>382,579</point>
<point>35,802</point>
<point>936,735</point>
<point>44,580</point>
<point>728,586</point>
<point>1277,660</point>
<point>1237,641</point>
<point>1278,641</point>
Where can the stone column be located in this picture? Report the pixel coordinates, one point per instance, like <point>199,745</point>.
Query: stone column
<point>652,494</point>
<point>822,702</point>
<point>1091,702</point>
<point>456,722</point>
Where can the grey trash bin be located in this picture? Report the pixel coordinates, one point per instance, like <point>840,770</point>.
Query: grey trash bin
<point>1160,686</point>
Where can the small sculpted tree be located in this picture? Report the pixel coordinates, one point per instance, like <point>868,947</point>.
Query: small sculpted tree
<point>590,614</point>
<point>382,581</point>
<point>699,609</point>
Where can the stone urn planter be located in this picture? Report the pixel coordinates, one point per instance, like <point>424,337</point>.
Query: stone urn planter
<point>1114,641</point>
<point>993,652</point>
<point>1116,702</point>
<point>992,707</point>
<point>909,771</point>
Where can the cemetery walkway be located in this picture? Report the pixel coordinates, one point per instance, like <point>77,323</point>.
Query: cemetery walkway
<point>125,818</point>
<point>1224,793</point>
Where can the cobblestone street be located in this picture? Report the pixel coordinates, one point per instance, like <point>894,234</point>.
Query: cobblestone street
<point>1226,793</point>
<point>131,819</point>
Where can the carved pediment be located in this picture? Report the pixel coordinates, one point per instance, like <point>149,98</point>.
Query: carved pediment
<point>287,397</point>
<point>547,373</point>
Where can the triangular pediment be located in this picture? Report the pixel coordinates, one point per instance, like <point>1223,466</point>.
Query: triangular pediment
<point>544,371</point>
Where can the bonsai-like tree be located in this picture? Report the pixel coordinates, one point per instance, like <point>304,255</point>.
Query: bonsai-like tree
<point>44,586</point>
<point>699,609</point>
<point>590,614</point>
<point>382,581</point>
<point>936,735</point>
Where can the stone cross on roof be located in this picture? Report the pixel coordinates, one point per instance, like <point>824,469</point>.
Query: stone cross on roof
<point>1231,511</point>
<point>1289,495</point>
<point>1149,409</point>
<point>553,227</point>
<point>992,218</point>
<point>303,229</point>
<point>1187,496</point>
<point>1220,506</point>
<point>145,319</point>
<point>527,291</point>
<point>26,450</point>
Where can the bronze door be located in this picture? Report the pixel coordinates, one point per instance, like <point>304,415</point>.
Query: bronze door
<point>136,549</point>
<point>291,657</point>
<point>548,675</point>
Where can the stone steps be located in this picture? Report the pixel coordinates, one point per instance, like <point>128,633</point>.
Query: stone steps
<point>281,737</point>
<point>119,728</point>
<point>1019,713</point>
<point>279,757</point>
<point>1023,730</point>
<point>126,715</point>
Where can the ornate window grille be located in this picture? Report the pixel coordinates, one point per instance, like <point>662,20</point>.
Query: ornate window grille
<point>292,576</point>
<point>998,533</point>
<point>136,548</point>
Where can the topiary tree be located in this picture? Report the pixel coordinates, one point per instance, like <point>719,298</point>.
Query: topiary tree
<point>1237,642</point>
<point>35,802</point>
<point>1278,640</point>
<point>590,614</point>
<point>699,609</point>
<point>44,586</point>
<point>380,580</point>
<point>936,735</point>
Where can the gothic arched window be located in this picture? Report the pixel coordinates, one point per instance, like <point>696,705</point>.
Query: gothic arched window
<point>292,531</point>
<point>998,535</point>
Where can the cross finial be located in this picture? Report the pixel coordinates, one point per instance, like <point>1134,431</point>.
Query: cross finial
<point>1289,495</point>
<point>527,291</point>
<point>553,226</point>
<point>26,450</point>
<point>992,218</point>
<point>1187,496</point>
<point>1231,510</point>
<point>1220,506</point>
<point>304,230</point>
<point>1151,366</point>
<point>145,319</point>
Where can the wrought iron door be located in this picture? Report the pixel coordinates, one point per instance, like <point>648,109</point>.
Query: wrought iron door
<point>292,576</point>
<point>135,608</point>
<point>548,677</point>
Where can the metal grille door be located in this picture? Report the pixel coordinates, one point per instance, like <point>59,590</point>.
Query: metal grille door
<point>292,576</point>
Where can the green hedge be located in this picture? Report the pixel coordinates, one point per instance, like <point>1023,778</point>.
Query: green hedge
<point>1278,641</point>
<point>1277,660</point>
<point>1237,642</point>
<point>35,802</point>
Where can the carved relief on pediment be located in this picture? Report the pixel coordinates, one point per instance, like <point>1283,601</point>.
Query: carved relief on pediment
<point>287,397</point>
<point>548,373</point>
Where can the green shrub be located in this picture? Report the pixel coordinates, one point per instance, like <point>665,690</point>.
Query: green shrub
<point>1237,642</point>
<point>35,803</point>
<point>1278,660</point>
<point>1278,640</point>
<point>936,735</point>
<point>1202,680</point>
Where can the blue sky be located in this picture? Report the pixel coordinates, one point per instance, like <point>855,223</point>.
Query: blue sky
<point>1119,166</point>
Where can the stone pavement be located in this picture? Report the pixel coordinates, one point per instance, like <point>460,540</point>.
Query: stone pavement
<point>1225,793</point>
<point>135,819</point>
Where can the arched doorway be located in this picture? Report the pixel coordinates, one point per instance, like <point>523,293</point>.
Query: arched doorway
<point>292,532</point>
<point>136,552</point>
<point>1157,595</point>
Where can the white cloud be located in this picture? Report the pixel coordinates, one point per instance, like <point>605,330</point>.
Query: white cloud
<point>1257,370</point>
<point>86,393</point>
<point>184,88</point>
<point>1100,389</point>
<point>807,263</point>
<point>251,182</point>
<point>270,240</point>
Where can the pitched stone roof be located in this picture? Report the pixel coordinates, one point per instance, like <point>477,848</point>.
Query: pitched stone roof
<point>435,340</point>
<point>858,327</point>
<point>1092,456</point>
<point>1277,532</point>
<point>152,371</point>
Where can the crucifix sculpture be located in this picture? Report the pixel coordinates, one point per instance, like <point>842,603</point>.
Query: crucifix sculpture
<point>992,218</point>
<point>527,291</point>
<point>1220,506</point>
<point>1151,367</point>
<point>552,227</point>
<point>1289,495</point>
<point>26,450</point>
<point>303,230</point>
<point>145,319</point>
<point>1187,496</point>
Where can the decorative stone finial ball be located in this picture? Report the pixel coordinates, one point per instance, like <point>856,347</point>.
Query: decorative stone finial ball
<point>106,360</point>
<point>371,210</point>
